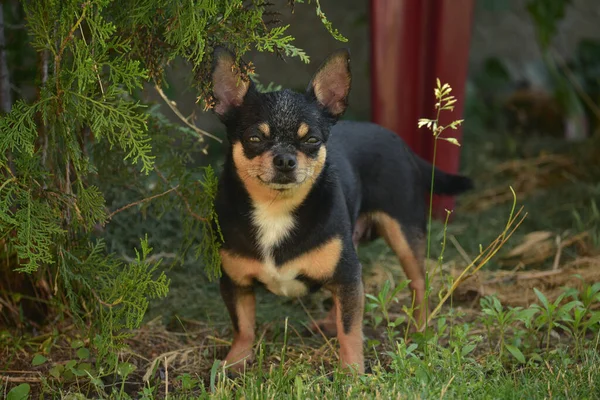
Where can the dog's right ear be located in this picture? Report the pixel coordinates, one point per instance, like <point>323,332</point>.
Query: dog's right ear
<point>229,86</point>
<point>331,84</point>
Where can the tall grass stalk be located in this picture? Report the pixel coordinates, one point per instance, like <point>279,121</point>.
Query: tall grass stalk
<point>445,102</point>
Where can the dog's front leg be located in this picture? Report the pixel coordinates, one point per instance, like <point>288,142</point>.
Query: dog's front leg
<point>241,304</point>
<point>349,304</point>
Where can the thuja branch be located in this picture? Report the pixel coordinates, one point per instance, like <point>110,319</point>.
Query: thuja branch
<point>63,46</point>
<point>181,196</point>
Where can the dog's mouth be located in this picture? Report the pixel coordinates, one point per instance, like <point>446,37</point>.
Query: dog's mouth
<point>281,183</point>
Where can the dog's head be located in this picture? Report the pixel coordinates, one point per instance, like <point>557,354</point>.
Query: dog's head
<point>278,139</point>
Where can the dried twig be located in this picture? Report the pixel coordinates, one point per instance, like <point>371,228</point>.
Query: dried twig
<point>559,248</point>
<point>515,220</point>
<point>166,377</point>
<point>145,200</point>
<point>173,108</point>
<point>20,379</point>
<point>460,249</point>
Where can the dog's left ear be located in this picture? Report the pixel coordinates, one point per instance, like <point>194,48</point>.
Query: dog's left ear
<point>330,85</point>
<point>229,87</point>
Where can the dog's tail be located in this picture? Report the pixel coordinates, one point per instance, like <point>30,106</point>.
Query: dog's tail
<point>444,183</point>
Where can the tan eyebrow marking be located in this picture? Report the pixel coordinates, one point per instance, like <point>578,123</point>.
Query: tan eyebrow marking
<point>264,128</point>
<point>303,129</point>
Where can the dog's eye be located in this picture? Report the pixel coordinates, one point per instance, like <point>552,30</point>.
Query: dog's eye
<point>312,140</point>
<point>254,139</point>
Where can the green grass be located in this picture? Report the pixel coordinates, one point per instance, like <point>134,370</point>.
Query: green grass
<point>439,375</point>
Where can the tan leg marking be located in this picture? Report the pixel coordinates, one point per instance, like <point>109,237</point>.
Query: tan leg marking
<point>241,352</point>
<point>351,342</point>
<point>240,269</point>
<point>412,264</point>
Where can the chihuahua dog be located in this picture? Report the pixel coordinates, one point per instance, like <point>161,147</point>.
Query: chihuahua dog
<point>298,192</point>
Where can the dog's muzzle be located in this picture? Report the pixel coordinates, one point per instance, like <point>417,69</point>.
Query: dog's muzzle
<point>285,168</point>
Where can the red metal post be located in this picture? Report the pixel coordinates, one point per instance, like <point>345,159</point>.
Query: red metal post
<point>397,61</point>
<point>413,42</point>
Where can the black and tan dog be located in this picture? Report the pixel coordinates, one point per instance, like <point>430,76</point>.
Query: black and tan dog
<point>298,192</point>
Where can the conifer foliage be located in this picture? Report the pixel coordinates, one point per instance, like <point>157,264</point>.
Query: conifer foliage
<point>87,126</point>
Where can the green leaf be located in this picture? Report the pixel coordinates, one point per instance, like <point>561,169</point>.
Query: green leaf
<point>213,375</point>
<point>467,349</point>
<point>56,371</point>
<point>75,344</point>
<point>125,368</point>
<point>542,298</point>
<point>569,306</point>
<point>38,360</point>
<point>87,367</point>
<point>20,392</point>
<point>594,319</point>
<point>83,353</point>
<point>371,297</point>
<point>411,348</point>
<point>536,357</point>
<point>515,352</point>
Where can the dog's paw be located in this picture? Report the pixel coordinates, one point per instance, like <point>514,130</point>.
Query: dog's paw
<point>237,362</point>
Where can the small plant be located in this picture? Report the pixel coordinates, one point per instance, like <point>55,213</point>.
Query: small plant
<point>552,315</point>
<point>584,319</point>
<point>379,306</point>
<point>496,318</point>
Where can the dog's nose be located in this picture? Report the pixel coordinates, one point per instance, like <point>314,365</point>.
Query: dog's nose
<point>285,162</point>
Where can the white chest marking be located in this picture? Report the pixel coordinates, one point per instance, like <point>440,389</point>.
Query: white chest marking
<point>274,223</point>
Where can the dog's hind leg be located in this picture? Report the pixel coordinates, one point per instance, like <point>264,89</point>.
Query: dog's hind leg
<point>411,257</point>
<point>327,325</point>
